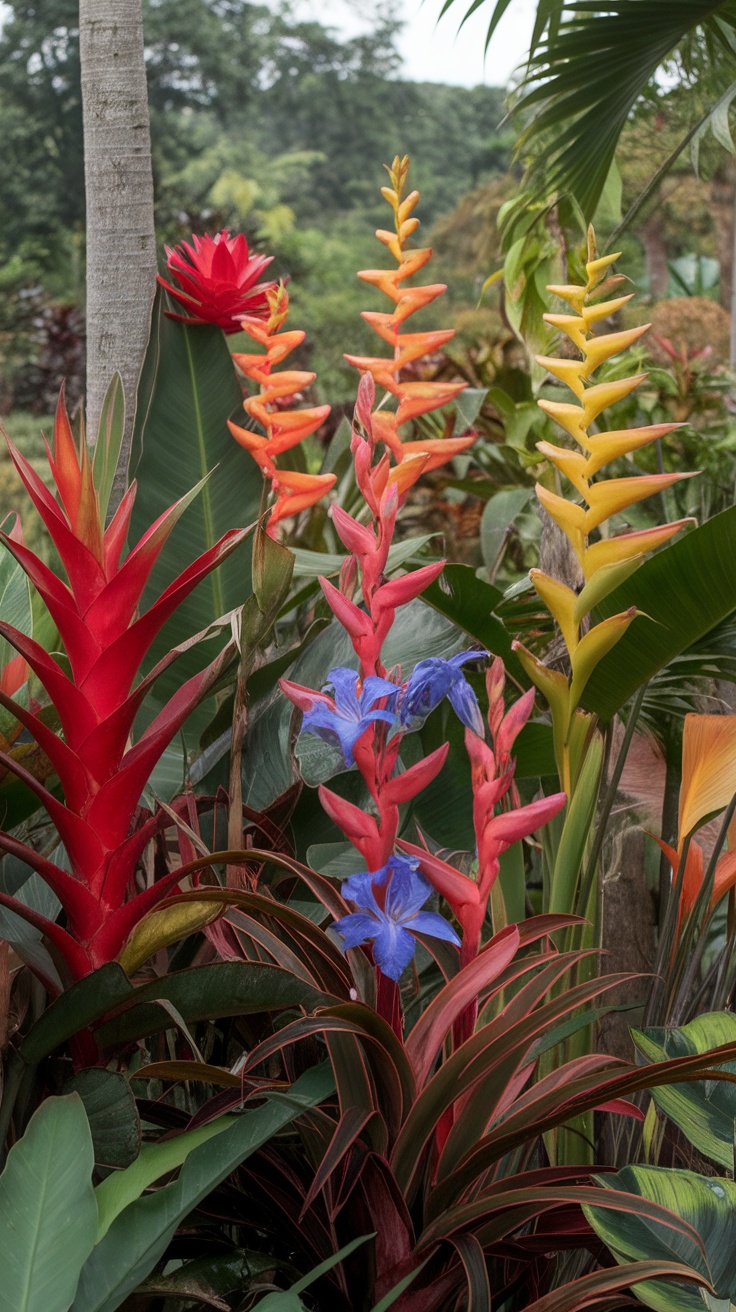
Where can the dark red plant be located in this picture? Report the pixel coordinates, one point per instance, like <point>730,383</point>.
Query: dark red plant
<point>102,773</point>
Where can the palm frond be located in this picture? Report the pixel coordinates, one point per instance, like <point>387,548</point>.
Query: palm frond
<point>585,79</point>
<point>547,17</point>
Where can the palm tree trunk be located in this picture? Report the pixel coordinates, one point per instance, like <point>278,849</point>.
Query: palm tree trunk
<point>121,247</point>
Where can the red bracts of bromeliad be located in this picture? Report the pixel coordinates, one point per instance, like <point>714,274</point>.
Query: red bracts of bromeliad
<point>218,280</point>
<point>102,775</point>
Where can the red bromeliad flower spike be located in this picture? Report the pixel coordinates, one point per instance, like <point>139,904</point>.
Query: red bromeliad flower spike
<point>413,398</point>
<point>101,773</point>
<point>284,427</point>
<point>218,281</point>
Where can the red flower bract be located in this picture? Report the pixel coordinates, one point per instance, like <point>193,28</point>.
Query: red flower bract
<point>218,281</point>
<point>102,775</point>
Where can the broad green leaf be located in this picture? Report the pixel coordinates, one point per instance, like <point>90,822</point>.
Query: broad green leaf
<point>108,442</point>
<point>226,988</point>
<point>289,1300</point>
<point>48,1215</point>
<point>140,1234</point>
<point>496,522</point>
<point>77,1007</point>
<point>707,1204</point>
<point>188,391</point>
<point>15,602</point>
<point>112,1114</point>
<point>218,1274</point>
<point>467,407</point>
<point>705,1110</point>
<point>470,603</point>
<point>682,593</point>
<point>579,816</point>
<point>310,564</point>
<point>121,1188</point>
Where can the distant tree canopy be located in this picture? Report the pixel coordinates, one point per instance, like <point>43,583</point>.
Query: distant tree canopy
<point>236,89</point>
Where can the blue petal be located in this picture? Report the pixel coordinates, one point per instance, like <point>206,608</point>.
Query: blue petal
<point>374,688</point>
<point>429,922</point>
<point>345,683</point>
<point>393,949</point>
<point>408,890</point>
<point>357,928</point>
<point>333,728</point>
<point>358,888</point>
<point>465,705</point>
<point>428,683</point>
<point>474,654</point>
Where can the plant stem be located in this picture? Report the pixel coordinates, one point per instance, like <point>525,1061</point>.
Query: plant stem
<point>604,813</point>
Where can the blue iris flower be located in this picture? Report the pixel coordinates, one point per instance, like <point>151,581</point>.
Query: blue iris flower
<point>433,679</point>
<point>343,723</point>
<point>392,927</point>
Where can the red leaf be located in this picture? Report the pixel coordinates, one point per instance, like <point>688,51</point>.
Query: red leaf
<point>73,955</point>
<point>81,907</point>
<point>590,1289</point>
<point>76,715</point>
<point>109,682</point>
<point>428,1035</point>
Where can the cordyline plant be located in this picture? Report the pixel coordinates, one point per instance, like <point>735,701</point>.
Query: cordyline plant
<point>102,773</point>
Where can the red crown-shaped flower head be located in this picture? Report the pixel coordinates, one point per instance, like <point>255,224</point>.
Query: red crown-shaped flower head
<point>102,775</point>
<point>218,280</point>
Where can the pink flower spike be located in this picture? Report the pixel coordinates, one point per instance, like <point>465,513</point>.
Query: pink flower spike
<point>417,777</point>
<point>356,537</point>
<point>361,829</point>
<point>397,592</point>
<point>364,403</point>
<point>352,618</point>
<point>304,698</point>
<point>495,680</point>
<point>514,721</point>
<point>457,889</point>
<point>503,830</point>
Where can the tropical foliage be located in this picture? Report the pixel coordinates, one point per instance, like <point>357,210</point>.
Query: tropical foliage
<point>324,746</point>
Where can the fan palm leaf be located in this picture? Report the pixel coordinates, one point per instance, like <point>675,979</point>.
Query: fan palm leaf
<point>590,61</point>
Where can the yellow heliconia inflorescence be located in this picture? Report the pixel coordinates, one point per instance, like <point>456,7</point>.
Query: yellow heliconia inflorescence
<point>607,561</point>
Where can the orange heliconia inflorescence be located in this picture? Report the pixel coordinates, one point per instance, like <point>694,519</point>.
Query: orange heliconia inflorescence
<point>284,427</point>
<point>414,397</point>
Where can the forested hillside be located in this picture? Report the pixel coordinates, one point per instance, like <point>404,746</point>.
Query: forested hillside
<point>261,124</point>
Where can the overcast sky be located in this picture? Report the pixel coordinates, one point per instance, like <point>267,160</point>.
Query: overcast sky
<point>435,51</point>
